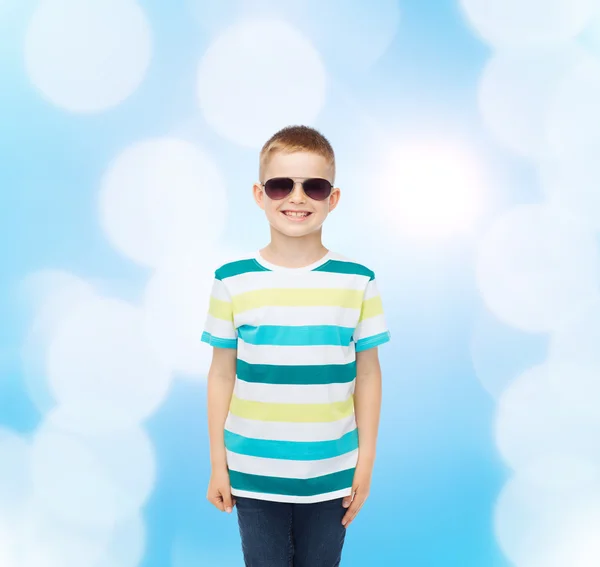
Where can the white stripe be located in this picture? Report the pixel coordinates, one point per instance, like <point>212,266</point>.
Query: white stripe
<point>219,291</point>
<point>371,290</point>
<point>287,431</point>
<point>293,393</point>
<point>294,499</point>
<point>290,469</point>
<point>369,327</point>
<point>295,355</point>
<point>311,315</point>
<point>251,281</point>
<point>219,328</point>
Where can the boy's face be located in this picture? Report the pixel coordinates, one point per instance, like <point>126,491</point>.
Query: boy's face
<point>298,166</point>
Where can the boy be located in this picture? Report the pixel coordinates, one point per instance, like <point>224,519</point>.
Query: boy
<point>294,388</point>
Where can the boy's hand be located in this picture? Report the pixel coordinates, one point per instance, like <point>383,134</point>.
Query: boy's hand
<point>219,491</point>
<point>361,486</point>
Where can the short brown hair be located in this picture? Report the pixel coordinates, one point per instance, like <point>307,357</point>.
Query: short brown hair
<point>297,139</point>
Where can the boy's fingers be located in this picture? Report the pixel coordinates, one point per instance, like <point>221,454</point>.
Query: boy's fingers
<point>227,501</point>
<point>217,501</point>
<point>352,511</point>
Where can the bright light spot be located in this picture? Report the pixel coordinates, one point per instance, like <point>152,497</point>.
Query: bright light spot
<point>574,113</point>
<point>574,362</point>
<point>524,23</point>
<point>52,296</point>
<point>58,543</point>
<point>537,265</point>
<point>14,471</point>
<point>539,526</point>
<point>176,305</point>
<point>162,197</point>
<point>514,92</point>
<point>103,370</point>
<point>571,184</point>
<point>430,190</point>
<point>7,547</point>
<point>348,34</point>
<point>127,457</point>
<point>72,481</point>
<point>533,421</point>
<point>127,546</point>
<point>501,353</point>
<point>257,77</point>
<point>87,56</point>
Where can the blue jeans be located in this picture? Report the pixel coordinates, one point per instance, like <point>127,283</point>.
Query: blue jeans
<point>278,534</point>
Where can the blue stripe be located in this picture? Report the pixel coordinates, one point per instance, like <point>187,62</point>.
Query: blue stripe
<point>301,335</point>
<point>291,450</point>
<point>218,342</point>
<point>372,342</point>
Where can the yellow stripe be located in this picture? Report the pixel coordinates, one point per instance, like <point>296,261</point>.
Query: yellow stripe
<point>350,298</point>
<point>220,309</point>
<point>371,308</point>
<point>297,413</point>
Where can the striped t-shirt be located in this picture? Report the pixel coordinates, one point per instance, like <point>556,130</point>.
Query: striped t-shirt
<point>290,434</point>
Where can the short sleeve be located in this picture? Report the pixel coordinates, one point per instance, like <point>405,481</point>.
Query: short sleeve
<point>219,329</point>
<point>371,330</point>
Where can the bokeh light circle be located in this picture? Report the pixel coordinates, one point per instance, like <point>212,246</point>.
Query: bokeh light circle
<point>162,197</point>
<point>541,526</point>
<point>536,265</point>
<point>257,77</point>
<point>102,368</point>
<point>515,90</point>
<point>533,420</point>
<point>526,23</point>
<point>87,56</point>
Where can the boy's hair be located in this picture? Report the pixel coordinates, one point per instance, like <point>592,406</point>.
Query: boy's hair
<point>296,139</point>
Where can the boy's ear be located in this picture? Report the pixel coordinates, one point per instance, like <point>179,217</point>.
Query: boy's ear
<point>259,195</point>
<point>334,198</point>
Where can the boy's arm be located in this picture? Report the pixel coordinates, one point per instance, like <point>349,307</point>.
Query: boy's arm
<point>221,380</point>
<point>367,407</point>
<point>367,403</point>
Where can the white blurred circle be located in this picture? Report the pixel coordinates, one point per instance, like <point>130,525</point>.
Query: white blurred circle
<point>72,481</point>
<point>162,197</point>
<point>542,527</point>
<point>15,485</point>
<point>574,362</point>
<point>536,265</point>
<point>176,303</point>
<point>514,92</point>
<point>127,456</point>
<point>127,545</point>
<point>573,121</point>
<point>52,295</point>
<point>500,353</point>
<point>7,546</point>
<point>430,189</point>
<point>257,77</point>
<point>534,420</point>
<point>85,55</point>
<point>524,23</point>
<point>46,539</point>
<point>571,184</point>
<point>102,368</point>
<point>348,34</point>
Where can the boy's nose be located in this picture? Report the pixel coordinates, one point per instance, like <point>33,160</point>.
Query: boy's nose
<point>297,193</point>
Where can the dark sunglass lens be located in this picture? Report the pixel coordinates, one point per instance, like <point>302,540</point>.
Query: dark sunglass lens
<point>317,189</point>
<point>278,187</point>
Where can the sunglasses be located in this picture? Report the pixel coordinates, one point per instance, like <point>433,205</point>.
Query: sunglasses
<point>280,187</point>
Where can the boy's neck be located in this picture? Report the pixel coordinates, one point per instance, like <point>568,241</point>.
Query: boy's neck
<point>291,252</point>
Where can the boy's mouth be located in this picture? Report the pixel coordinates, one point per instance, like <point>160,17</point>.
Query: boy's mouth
<point>296,216</point>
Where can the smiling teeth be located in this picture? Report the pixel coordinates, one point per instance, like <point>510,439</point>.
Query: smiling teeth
<point>293,214</point>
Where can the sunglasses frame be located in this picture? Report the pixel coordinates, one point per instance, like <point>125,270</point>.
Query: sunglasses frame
<point>331,187</point>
